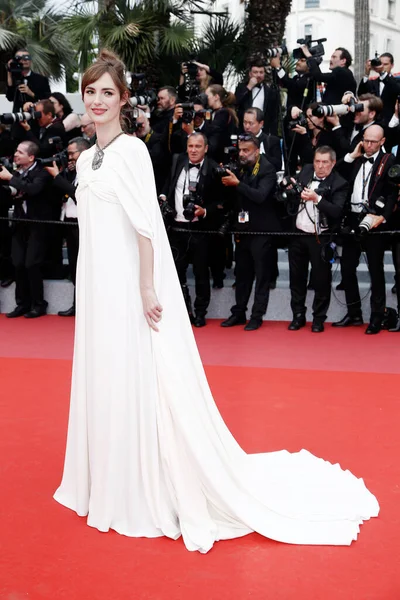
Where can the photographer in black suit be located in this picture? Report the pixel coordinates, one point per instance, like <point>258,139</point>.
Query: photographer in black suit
<point>371,195</point>
<point>157,145</point>
<point>25,85</point>
<point>49,126</point>
<point>255,92</point>
<point>385,86</point>
<point>339,81</point>
<point>297,85</point>
<point>317,208</point>
<point>195,196</point>
<point>66,183</point>
<point>32,191</point>
<point>255,210</point>
<point>270,145</point>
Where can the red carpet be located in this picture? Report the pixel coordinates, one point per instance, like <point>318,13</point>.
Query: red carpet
<point>335,395</point>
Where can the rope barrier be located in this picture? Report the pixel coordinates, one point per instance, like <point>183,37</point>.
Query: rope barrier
<point>211,232</point>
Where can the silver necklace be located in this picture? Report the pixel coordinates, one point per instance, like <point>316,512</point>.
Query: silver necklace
<point>99,154</point>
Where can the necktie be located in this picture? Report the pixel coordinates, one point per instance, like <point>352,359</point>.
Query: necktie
<point>192,166</point>
<point>364,159</point>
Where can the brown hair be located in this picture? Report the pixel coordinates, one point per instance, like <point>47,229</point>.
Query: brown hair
<point>107,62</point>
<point>228,100</point>
<point>375,104</point>
<point>48,107</point>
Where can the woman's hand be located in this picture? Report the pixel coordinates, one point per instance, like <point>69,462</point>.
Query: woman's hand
<point>151,307</point>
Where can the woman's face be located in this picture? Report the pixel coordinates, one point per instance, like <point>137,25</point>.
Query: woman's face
<point>57,106</point>
<point>201,74</point>
<point>212,99</point>
<point>103,101</point>
<point>313,121</point>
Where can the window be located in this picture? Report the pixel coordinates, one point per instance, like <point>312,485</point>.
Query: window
<point>308,29</point>
<point>391,10</point>
<point>389,45</point>
<point>311,3</point>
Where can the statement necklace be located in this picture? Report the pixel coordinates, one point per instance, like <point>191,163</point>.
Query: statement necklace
<point>99,154</point>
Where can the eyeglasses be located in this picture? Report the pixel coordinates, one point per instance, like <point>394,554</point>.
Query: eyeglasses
<point>245,137</point>
<point>371,141</point>
<point>22,57</point>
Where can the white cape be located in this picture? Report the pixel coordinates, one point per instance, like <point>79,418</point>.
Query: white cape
<point>148,453</point>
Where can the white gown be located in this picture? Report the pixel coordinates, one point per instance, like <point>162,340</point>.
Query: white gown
<point>148,453</point>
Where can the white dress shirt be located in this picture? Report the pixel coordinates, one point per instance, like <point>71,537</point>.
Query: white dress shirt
<point>361,184</point>
<point>182,185</point>
<point>258,97</point>
<point>308,216</point>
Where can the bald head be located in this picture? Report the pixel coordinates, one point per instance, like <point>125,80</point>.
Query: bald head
<point>373,139</point>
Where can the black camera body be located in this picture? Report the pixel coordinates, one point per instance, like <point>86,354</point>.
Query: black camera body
<point>231,162</point>
<point>317,51</point>
<point>190,200</point>
<point>61,160</point>
<point>16,69</point>
<point>167,212</point>
<point>301,121</point>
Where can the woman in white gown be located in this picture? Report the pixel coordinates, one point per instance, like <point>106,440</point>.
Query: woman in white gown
<point>148,453</point>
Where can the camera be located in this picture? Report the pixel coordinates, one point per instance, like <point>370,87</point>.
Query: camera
<point>301,121</point>
<point>19,117</point>
<point>327,110</point>
<point>276,51</point>
<point>60,156</point>
<point>167,212</point>
<point>231,161</point>
<point>376,61</point>
<point>367,221</point>
<point>190,85</point>
<point>289,189</point>
<point>16,69</point>
<point>365,225</point>
<point>317,51</point>
<point>147,98</point>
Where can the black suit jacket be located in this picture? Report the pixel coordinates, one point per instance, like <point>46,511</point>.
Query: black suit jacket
<point>333,199</point>
<point>391,90</point>
<point>272,149</point>
<point>377,185</point>
<point>255,195</point>
<point>64,184</point>
<point>56,129</point>
<point>36,189</point>
<point>39,84</point>
<point>244,100</point>
<point>296,87</point>
<point>209,189</point>
<point>339,81</point>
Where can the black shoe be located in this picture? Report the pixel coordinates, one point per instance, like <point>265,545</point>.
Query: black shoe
<point>396,328</point>
<point>253,324</point>
<point>218,284</point>
<point>317,327</point>
<point>199,321</point>
<point>7,282</point>
<point>310,286</point>
<point>298,322</point>
<point>348,320</point>
<point>394,289</point>
<point>39,311</point>
<point>272,285</point>
<point>67,313</point>
<point>375,326</point>
<point>234,320</point>
<point>340,286</point>
<point>19,311</point>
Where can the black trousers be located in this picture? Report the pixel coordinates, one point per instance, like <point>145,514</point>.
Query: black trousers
<point>28,250</point>
<point>71,234</point>
<point>254,257</point>
<point>217,257</point>
<point>189,247</point>
<point>374,247</point>
<point>302,251</point>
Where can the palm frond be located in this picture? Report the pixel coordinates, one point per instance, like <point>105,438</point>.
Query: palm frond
<point>9,39</point>
<point>175,39</point>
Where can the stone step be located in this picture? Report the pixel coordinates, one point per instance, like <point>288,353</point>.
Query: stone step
<point>59,294</point>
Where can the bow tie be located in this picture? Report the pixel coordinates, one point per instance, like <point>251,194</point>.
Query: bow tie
<point>364,160</point>
<point>358,127</point>
<point>192,166</point>
<point>317,179</point>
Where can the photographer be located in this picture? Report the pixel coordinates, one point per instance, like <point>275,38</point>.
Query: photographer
<point>373,198</point>
<point>185,122</point>
<point>88,129</point>
<point>254,92</point>
<point>191,201</point>
<point>255,210</point>
<point>65,115</point>
<point>297,85</point>
<point>270,145</point>
<point>317,207</point>
<point>385,86</point>
<point>32,191</point>
<point>339,81</point>
<point>195,78</point>
<point>50,128</point>
<point>161,118</point>
<point>224,121</point>
<point>66,183</point>
<point>157,145</point>
<point>22,83</point>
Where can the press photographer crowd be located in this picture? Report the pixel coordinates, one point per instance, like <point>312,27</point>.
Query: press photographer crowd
<point>308,162</point>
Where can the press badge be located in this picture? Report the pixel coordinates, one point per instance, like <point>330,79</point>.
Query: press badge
<point>243,216</point>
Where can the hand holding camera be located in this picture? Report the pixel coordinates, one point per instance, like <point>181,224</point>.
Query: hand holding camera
<point>230,179</point>
<point>5,174</point>
<point>308,195</point>
<point>54,170</point>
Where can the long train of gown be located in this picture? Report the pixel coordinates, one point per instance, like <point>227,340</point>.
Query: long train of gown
<point>148,453</point>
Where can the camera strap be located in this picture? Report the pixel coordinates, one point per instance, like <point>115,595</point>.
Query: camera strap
<point>379,173</point>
